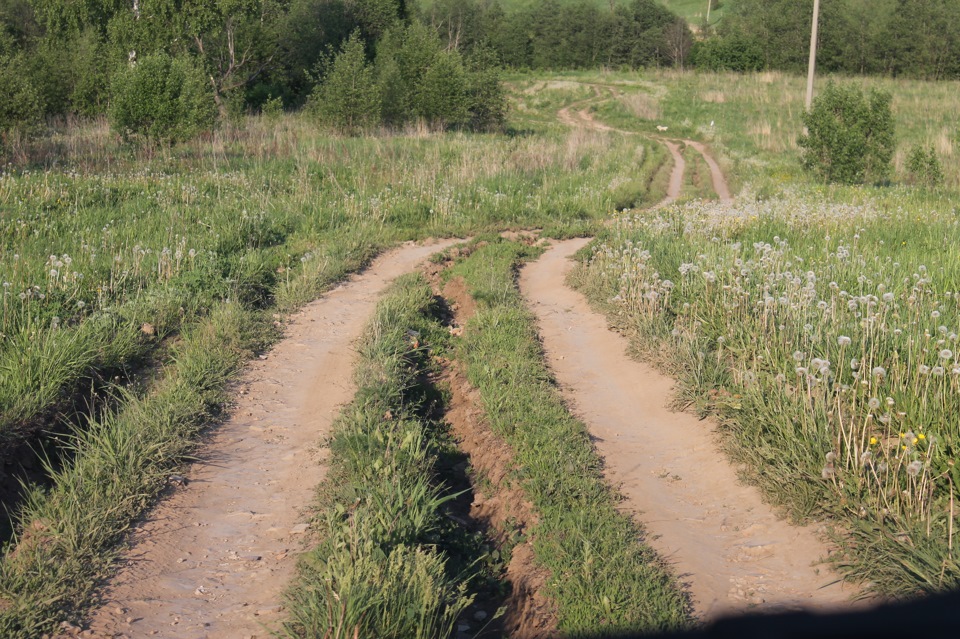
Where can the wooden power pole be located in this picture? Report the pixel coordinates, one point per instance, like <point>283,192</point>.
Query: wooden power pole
<point>813,53</point>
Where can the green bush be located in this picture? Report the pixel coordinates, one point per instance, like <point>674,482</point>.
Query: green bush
<point>349,98</point>
<point>924,167</point>
<point>21,109</point>
<point>162,99</point>
<point>442,99</point>
<point>850,136</point>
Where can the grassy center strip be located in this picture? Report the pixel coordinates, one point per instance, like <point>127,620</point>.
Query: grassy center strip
<point>390,561</point>
<point>603,577</point>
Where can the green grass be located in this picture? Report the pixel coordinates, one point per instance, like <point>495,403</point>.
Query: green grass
<point>121,253</point>
<point>602,576</point>
<point>385,566</point>
<point>120,461</point>
<point>822,335</point>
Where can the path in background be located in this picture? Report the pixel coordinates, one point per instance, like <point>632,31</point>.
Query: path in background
<point>723,541</point>
<point>213,559</point>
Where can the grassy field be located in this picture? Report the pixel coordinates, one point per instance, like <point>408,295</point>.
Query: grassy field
<point>818,323</point>
<point>136,282</point>
<point>129,272</point>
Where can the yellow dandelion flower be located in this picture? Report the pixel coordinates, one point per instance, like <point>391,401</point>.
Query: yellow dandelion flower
<point>873,441</point>
<point>902,435</point>
<point>915,440</point>
<point>903,447</point>
<point>921,436</point>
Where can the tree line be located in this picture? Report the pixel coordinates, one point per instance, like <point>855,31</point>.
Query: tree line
<point>391,59</point>
<point>911,38</point>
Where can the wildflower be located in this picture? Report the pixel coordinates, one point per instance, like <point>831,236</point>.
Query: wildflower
<point>866,458</point>
<point>81,304</point>
<point>831,457</point>
<point>937,371</point>
<point>879,371</point>
<point>888,297</point>
<point>843,340</point>
<point>801,370</point>
<point>921,436</point>
<point>946,354</point>
<point>923,369</point>
<point>873,441</point>
<point>890,401</point>
<point>914,468</point>
<point>874,403</point>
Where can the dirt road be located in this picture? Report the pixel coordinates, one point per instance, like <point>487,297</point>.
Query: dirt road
<point>721,538</point>
<point>213,559</point>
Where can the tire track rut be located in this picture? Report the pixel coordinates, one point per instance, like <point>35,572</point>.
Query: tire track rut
<point>213,559</point>
<point>725,543</point>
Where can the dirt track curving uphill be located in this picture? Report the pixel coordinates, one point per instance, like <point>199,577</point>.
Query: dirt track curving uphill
<point>578,115</point>
<point>213,559</point>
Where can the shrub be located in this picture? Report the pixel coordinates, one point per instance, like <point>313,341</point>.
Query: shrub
<point>850,137</point>
<point>21,109</point>
<point>349,97</point>
<point>442,96</point>
<point>162,99</point>
<point>924,167</point>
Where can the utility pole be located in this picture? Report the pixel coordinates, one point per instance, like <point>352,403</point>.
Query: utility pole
<point>813,52</point>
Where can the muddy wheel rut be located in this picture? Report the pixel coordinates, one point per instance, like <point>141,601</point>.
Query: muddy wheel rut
<point>213,559</point>
<point>723,541</point>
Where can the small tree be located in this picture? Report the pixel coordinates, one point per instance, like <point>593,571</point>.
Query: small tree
<point>850,137</point>
<point>21,108</point>
<point>162,99</point>
<point>442,96</point>
<point>924,167</point>
<point>349,98</point>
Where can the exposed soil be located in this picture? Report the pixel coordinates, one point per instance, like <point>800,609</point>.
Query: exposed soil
<point>578,115</point>
<point>500,505</point>
<point>213,559</point>
<point>721,538</point>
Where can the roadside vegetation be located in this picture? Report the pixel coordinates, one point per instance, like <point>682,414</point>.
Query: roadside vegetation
<point>603,578</point>
<point>116,255</point>
<point>390,562</point>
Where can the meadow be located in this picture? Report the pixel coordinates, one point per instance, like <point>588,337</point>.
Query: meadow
<point>136,281</point>
<point>817,323</point>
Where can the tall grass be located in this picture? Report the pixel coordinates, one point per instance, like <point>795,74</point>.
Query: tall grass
<point>825,337</point>
<point>114,256</point>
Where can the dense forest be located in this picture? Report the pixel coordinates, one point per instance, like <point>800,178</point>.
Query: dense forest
<point>357,62</point>
<point>386,62</point>
<point>913,38</point>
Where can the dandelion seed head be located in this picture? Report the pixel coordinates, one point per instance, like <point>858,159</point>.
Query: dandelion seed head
<point>843,340</point>
<point>914,468</point>
<point>874,403</point>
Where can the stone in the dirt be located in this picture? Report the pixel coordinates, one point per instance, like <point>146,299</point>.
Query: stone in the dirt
<point>299,529</point>
<point>480,615</point>
<point>462,627</point>
<point>269,611</point>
